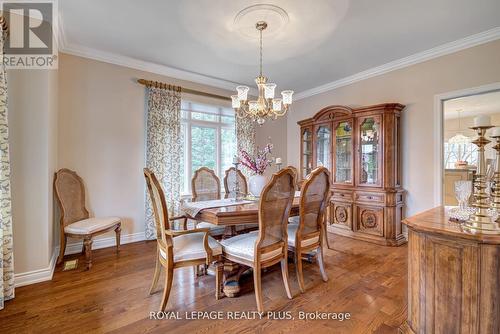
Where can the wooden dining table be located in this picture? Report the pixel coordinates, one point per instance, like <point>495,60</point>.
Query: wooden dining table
<point>231,216</point>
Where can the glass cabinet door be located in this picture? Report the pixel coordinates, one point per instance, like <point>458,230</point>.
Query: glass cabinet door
<point>343,152</point>
<point>323,146</point>
<point>306,148</point>
<point>369,148</point>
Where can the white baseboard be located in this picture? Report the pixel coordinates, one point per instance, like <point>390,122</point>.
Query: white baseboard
<point>45,274</point>
<point>36,276</point>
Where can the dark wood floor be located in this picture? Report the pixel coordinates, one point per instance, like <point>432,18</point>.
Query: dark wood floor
<point>367,280</point>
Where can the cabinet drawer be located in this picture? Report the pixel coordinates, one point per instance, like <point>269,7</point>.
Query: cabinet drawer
<point>342,195</point>
<point>341,215</point>
<point>370,219</point>
<point>367,197</point>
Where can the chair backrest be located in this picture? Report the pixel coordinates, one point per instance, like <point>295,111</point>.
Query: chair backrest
<point>230,179</point>
<point>70,194</point>
<point>296,173</point>
<point>274,208</point>
<point>313,202</point>
<point>205,185</point>
<point>160,211</point>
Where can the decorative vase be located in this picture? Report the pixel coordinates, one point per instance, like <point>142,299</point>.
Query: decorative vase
<point>256,183</point>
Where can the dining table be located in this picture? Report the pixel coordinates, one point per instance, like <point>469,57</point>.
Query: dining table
<point>231,213</point>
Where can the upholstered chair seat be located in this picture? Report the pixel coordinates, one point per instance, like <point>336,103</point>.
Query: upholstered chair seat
<point>243,246</point>
<point>292,231</point>
<point>190,247</point>
<point>294,220</point>
<point>215,230</point>
<point>91,225</point>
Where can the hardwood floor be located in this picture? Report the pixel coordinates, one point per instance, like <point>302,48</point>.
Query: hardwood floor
<point>366,280</point>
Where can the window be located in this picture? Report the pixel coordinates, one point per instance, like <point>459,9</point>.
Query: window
<point>459,152</point>
<point>208,135</point>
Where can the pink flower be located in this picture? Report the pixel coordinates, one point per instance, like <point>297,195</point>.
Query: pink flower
<point>260,162</point>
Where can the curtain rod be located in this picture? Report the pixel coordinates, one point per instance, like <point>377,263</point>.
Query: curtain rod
<point>162,85</point>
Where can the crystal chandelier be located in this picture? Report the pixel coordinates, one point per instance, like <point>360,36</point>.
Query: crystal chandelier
<point>266,106</point>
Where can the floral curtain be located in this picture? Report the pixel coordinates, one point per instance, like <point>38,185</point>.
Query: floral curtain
<point>245,136</point>
<point>164,148</point>
<point>6,256</point>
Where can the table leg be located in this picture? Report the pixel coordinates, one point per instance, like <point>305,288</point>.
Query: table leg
<point>232,274</point>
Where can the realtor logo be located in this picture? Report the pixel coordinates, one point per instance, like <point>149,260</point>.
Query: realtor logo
<point>31,35</point>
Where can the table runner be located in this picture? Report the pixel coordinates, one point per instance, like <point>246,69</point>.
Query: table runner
<point>193,208</point>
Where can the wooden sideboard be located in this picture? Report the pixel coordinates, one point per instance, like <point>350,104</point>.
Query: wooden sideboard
<point>453,277</point>
<point>361,148</point>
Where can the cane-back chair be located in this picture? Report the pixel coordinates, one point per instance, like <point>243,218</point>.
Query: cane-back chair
<point>268,245</point>
<point>75,219</point>
<point>179,248</point>
<point>307,235</point>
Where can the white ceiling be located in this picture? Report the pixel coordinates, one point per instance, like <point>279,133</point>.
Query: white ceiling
<point>323,41</point>
<point>470,106</point>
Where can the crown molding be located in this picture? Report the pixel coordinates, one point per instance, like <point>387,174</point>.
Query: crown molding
<point>116,59</point>
<point>442,50</point>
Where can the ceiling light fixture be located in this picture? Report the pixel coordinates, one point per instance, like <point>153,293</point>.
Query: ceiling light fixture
<point>459,138</point>
<point>266,106</point>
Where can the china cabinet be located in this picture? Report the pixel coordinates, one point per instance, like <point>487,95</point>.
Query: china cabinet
<point>361,148</point>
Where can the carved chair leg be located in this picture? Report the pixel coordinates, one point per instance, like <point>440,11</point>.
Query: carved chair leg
<point>284,273</point>
<point>156,274</point>
<point>184,224</point>
<point>118,231</point>
<point>321,264</point>
<point>298,269</point>
<point>258,288</point>
<point>87,245</point>
<point>62,248</point>
<point>219,272</point>
<point>326,237</point>
<point>169,277</point>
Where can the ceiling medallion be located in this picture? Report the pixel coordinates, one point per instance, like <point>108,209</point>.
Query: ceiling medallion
<point>266,106</point>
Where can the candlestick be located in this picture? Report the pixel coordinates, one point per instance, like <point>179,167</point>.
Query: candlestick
<point>495,190</point>
<point>482,121</point>
<point>481,221</point>
<point>236,188</point>
<point>278,164</point>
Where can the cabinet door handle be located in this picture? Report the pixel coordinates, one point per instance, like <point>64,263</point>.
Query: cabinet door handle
<point>370,197</point>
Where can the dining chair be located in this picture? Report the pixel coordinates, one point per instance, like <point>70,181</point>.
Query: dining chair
<point>307,235</point>
<point>75,221</point>
<point>267,246</point>
<point>179,248</point>
<point>205,186</point>
<point>294,219</point>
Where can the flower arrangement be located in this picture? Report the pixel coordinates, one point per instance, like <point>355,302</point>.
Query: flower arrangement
<point>259,162</point>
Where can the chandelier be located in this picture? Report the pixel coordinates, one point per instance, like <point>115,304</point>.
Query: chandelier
<point>266,106</point>
<point>459,138</point>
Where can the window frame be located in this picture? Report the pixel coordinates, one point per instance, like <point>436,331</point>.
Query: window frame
<point>187,121</point>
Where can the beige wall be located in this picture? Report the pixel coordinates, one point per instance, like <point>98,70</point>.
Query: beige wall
<point>33,151</point>
<point>273,131</point>
<point>414,86</point>
<point>102,132</point>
